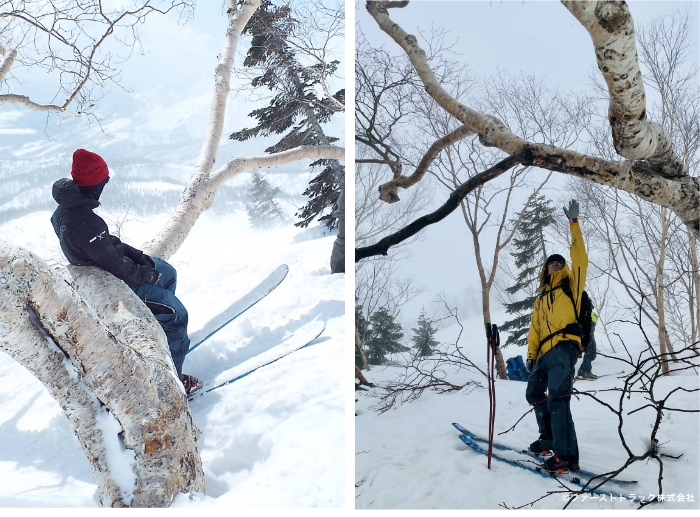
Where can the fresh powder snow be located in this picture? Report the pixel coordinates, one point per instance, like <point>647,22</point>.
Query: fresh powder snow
<point>274,438</point>
<point>411,457</point>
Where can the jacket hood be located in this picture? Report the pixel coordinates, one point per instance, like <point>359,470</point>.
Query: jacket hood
<point>67,193</point>
<point>556,277</point>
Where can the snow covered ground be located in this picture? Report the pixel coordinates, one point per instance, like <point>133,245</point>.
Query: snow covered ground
<point>411,457</point>
<point>272,439</point>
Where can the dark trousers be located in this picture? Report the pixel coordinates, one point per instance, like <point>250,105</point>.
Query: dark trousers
<point>168,310</point>
<point>554,372</point>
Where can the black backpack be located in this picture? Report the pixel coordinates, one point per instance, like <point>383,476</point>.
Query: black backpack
<point>584,321</point>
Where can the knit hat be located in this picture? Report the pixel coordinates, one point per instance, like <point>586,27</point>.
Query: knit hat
<point>555,258</point>
<point>88,168</point>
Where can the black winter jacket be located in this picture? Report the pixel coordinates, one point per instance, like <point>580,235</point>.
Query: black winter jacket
<point>85,238</point>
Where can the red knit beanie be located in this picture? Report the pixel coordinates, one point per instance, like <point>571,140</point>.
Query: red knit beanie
<point>88,168</point>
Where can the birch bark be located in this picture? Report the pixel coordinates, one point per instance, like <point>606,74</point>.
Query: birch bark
<point>679,193</point>
<point>611,28</point>
<point>100,352</point>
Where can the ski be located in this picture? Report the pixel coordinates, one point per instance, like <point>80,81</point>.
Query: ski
<point>518,463</point>
<point>238,307</point>
<point>538,458</point>
<point>597,377</point>
<point>290,345</point>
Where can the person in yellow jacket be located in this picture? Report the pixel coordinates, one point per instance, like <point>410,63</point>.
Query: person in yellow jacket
<point>554,344</point>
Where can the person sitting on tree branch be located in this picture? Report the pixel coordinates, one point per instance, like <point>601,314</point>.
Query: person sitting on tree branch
<point>554,344</point>
<point>85,241</point>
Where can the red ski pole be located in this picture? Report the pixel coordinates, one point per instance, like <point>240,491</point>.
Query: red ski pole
<point>490,382</point>
<point>494,342</point>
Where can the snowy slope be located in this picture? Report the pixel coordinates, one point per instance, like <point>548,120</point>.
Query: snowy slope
<point>273,439</point>
<point>411,457</point>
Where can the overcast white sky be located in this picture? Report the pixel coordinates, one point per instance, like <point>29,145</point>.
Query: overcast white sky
<point>533,37</point>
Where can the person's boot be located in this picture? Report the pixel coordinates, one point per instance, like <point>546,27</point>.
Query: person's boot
<point>557,465</point>
<point>192,384</point>
<point>536,448</point>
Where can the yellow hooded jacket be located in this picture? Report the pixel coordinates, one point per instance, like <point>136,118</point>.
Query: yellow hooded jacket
<point>553,308</point>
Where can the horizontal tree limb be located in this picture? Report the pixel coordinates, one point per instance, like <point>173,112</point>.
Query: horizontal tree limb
<point>382,247</point>
<point>26,101</point>
<point>389,191</point>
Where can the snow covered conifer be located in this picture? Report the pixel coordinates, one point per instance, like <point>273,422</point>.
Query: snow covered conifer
<point>422,338</point>
<point>263,210</point>
<point>383,337</point>
<point>296,111</point>
<point>529,254</point>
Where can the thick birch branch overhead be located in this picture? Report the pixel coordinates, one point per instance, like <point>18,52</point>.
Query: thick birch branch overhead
<point>643,178</point>
<point>611,28</point>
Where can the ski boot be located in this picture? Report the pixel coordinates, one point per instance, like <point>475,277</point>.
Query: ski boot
<point>192,385</point>
<point>536,449</point>
<point>557,465</point>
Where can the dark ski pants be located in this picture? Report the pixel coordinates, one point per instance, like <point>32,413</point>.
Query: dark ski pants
<point>168,310</point>
<point>554,372</point>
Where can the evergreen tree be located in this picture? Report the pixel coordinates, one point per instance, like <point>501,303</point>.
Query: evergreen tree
<point>529,253</point>
<point>263,210</point>
<point>422,337</point>
<point>383,337</point>
<point>295,111</point>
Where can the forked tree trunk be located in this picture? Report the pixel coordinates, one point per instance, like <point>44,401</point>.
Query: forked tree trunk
<point>103,356</point>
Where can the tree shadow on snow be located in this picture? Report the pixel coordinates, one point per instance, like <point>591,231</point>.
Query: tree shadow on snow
<point>54,450</point>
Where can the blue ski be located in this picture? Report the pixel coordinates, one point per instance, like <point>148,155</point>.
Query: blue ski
<point>292,344</point>
<point>238,307</point>
<point>536,457</point>
<point>503,451</point>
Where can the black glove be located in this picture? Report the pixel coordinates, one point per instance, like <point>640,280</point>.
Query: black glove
<point>148,261</point>
<point>572,212</point>
<point>530,365</point>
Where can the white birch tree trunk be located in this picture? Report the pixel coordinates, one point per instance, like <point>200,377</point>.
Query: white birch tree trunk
<point>103,356</point>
